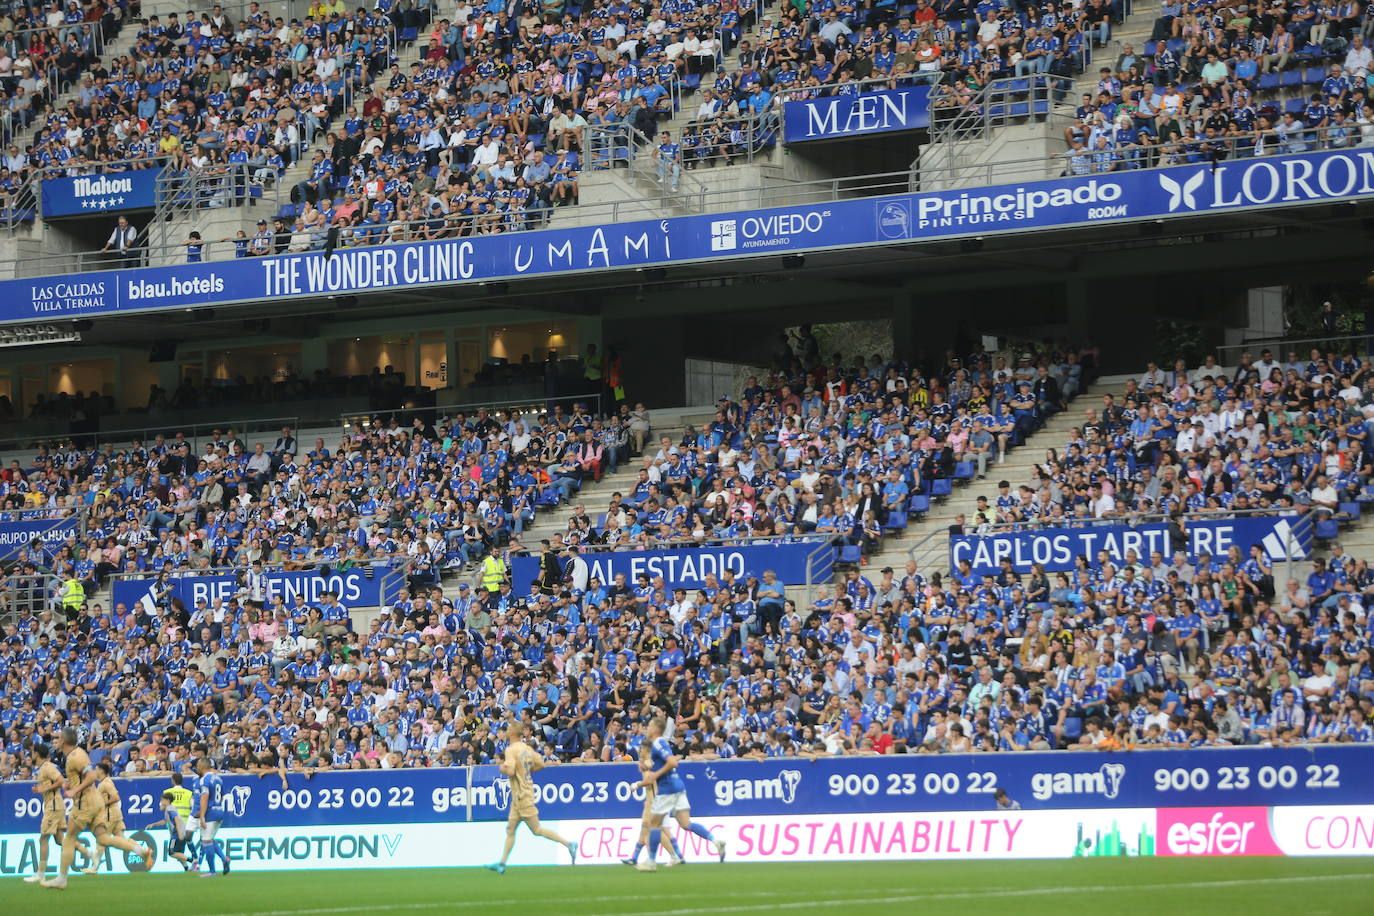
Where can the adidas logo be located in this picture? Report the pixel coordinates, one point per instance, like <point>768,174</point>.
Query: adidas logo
<point>1283,543</point>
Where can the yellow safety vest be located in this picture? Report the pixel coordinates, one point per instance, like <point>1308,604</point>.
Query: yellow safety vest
<point>73,594</point>
<point>181,800</point>
<point>493,573</point>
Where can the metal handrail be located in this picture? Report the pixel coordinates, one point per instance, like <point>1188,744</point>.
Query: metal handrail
<point>781,194</point>
<point>193,433</point>
<point>757,134</point>
<point>993,105</point>
<point>1262,342</point>
<point>25,593</point>
<point>823,540</point>
<point>520,405</point>
<point>1009,171</point>
<point>81,166</point>
<point>858,87</point>
<point>22,207</point>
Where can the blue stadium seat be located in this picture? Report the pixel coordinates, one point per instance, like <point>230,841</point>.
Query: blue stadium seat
<point>896,521</point>
<point>1314,75</point>
<point>408,35</point>
<point>919,505</point>
<point>1327,529</point>
<point>1268,82</point>
<point>965,470</point>
<point>1350,510</point>
<point>941,487</point>
<point>1290,79</point>
<point>850,554</point>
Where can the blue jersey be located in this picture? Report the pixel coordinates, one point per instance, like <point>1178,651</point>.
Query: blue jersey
<point>213,786</point>
<point>670,782</point>
<point>193,784</point>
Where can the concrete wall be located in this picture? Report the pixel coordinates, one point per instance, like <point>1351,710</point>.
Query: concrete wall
<point>1016,152</point>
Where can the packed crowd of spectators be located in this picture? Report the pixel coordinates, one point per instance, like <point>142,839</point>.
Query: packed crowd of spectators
<point>1265,434</point>
<point>242,97</point>
<point>1230,80</point>
<point>822,447</point>
<point>44,47</point>
<point>1158,652</point>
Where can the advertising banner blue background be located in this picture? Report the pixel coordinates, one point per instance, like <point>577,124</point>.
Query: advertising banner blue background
<point>1115,197</point>
<point>91,195</point>
<point>1057,548</point>
<point>688,567</point>
<point>1281,537</point>
<point>16,535</point>
<point>357,587</point>
<point>1320,775</point>
<point>832,117</point>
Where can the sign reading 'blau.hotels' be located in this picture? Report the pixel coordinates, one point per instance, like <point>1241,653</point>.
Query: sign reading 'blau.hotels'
<point>1059,203</point>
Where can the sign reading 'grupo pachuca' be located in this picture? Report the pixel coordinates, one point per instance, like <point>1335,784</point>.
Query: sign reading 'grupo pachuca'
<point>18,533</point>
<point>1181,191</point>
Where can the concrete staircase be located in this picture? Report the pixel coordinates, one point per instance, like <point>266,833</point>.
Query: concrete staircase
<point>121,44</point>
<point>927,540</point>
<point>1135,31</point>
<point>927,537</point>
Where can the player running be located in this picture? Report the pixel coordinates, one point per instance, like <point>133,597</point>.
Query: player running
<point>211,815</point>
<point>645,766</point>
<point>114,815</point>
<point>176,827</point>
<point>519,765</point>
<point>192,789</point>
<point>670,795</point>
<point>54,824</point>
<point>88,811</point>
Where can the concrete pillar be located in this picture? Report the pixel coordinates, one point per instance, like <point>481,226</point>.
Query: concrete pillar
<point>904,327</point>
<point>451,358</point>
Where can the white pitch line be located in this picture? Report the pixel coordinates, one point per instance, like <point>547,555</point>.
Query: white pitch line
<point>831,902</point>
<point>470,904</point>
<point>827,903</point>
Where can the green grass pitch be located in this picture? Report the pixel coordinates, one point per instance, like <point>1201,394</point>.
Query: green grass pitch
<point>1310,887</point>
